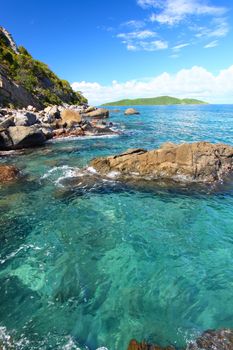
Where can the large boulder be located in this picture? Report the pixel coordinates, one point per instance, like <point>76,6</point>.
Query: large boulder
<point>195,162</point>
<point>69,118</point>
<point>24,137</point>
<point>98,113</point>
<point>213,340</point>
<point>131,111</point>
<point>8,173</point>
<point>25,119</point>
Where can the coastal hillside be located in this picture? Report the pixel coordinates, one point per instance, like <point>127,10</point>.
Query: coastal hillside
<point>161,100</point>
<point>25,80</point>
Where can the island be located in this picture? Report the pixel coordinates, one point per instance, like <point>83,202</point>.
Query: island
<point>153,101</point>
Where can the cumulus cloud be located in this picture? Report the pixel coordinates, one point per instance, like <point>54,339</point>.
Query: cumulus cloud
<point>196,82</point>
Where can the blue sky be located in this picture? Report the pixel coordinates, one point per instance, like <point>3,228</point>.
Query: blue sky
<point>130,48</point>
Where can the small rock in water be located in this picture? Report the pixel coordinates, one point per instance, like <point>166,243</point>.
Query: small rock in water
<point>8,173</point>
<point>131,111</point>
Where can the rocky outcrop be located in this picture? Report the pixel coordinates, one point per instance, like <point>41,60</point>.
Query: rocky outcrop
<point>131,111</point>
<point>213,340</point>
<point>23,128</point>
<point>195,162</point>
<point>134,345</point>
<point>8,173</point>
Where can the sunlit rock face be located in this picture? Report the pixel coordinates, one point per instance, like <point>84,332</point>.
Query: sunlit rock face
<point>195,162</point>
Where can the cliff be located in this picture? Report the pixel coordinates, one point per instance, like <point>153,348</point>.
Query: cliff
<point>25,80</point>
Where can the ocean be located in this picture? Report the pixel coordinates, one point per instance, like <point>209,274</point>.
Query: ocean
<point>86,265</point>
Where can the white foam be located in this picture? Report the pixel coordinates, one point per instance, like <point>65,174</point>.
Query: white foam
<point>73,138</point>
<point>70,345</point>
<point>13,254</point>
<point>113,174</point>
<point>92,170</point>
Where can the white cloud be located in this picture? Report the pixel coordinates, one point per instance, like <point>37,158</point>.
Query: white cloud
<point>175,11</point>
<point>218,28</point>
<point>137,24</point>
<point>196,82</point>
<point>180,46</point>
<point>141,41</point>
<point>211,44</point>
<point>143,34</point>
<point>153,45</point>
<point>131,47</point>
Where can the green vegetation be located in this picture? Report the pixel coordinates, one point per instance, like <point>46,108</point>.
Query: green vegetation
<point>35,76</point>
<point>162,100</point>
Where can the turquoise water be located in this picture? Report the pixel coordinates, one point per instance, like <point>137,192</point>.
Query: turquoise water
<point>85,265</point>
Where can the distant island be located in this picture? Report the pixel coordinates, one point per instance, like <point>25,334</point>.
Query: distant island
<point>161,100</point>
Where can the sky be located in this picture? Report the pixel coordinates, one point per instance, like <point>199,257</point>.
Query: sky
<point>115,49</point>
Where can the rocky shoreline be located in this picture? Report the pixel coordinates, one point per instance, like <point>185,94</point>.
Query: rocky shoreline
<point>28,127</point>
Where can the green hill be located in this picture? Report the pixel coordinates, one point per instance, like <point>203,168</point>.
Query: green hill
<point>23,78</point>
<point>161,100</point>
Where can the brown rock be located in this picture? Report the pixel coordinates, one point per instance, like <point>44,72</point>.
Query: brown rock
<point>213,340</point>
<point>134,345</point>
<point>90,109</point>
<point>8,173</point>
<point>62,133</point>
<point>98,113</point>
<point>70,118</point>
<point>131,111</point>
<point>197,162</point>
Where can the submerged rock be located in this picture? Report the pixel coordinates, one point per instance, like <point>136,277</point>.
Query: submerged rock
<point>131,111</point>
<point>134,345</point>
<point>194,162</point>
<point>213,340</point>
<point>8,173</point>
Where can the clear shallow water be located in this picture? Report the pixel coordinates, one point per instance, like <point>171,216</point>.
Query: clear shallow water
<point>85,266</point>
